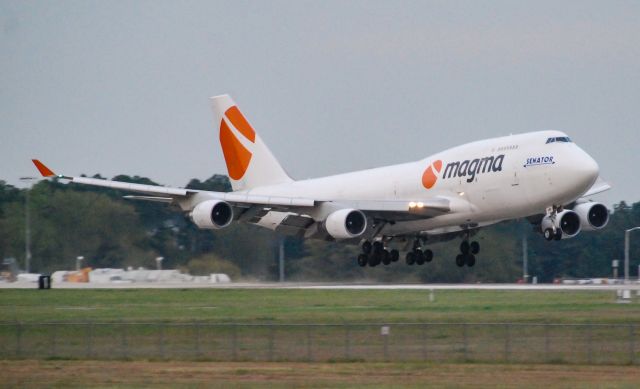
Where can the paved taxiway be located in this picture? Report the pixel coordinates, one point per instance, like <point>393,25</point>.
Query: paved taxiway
<point>295,285</point>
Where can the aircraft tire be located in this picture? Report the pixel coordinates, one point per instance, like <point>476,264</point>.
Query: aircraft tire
<point>470,260</point>
<point>363,260</point>
<point>474,247</point>
<point>394,255</point>
<point>366,247</point>
<point>548,234</point>
<point>460,260</point>
<point>386,257</point>
<point>428,255</point>
<point>419,257</point>
<point>464,247</point>
<point>377,247</point>
<point>558,234</point>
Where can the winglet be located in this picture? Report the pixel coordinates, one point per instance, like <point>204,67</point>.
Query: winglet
<point>45,171</point>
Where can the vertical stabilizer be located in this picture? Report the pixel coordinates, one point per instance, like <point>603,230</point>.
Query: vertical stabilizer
<point>249,161</point>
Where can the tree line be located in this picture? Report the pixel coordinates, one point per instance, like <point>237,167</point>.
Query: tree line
<point>69,220</point>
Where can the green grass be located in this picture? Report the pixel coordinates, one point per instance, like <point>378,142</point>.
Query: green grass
<point>313,306</point>
<point>193,324</point>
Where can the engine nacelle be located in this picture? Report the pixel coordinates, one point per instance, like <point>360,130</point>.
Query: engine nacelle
<point>212,214</point>
<point>593,216</point>
<point>346,223</point>
<point>567,222</point>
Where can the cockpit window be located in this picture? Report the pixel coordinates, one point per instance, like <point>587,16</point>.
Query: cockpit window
<point>564,139</point>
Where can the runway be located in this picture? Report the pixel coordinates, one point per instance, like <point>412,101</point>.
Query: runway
<point>635,286</point>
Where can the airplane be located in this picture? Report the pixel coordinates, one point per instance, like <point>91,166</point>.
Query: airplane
<point>542,176</point>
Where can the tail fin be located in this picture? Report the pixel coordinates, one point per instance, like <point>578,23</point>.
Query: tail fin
<point>249,161</point>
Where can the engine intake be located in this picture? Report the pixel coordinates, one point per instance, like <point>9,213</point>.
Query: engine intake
<point>566,222</point>
<point>346,223</point>
<point>212,214</point>
<point>593,216</point>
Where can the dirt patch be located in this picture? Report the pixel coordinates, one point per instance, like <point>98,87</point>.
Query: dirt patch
<point>32,373</point>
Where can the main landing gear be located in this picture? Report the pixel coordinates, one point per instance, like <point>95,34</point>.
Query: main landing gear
<point>375,253</point>
<point>418,256</point>
<point>468,253</point>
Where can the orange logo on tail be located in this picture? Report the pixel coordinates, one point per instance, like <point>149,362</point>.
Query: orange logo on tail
<point>430,175</point>
<point>236,156</point>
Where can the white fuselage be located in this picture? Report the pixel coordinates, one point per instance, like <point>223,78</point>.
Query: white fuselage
<point>495,179</point>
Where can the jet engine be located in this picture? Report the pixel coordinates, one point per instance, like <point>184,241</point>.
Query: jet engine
<point>346,223</point>
<point>566,224</point>
<point>593,216</point>
<point>212,214</point>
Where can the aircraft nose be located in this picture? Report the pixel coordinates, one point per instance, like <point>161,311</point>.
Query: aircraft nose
<point>590,167</point>
<point>586,169</point>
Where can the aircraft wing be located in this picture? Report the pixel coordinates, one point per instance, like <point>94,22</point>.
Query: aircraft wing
<point>293,213</point>
<point>168,194</point>
<point>598,187</point>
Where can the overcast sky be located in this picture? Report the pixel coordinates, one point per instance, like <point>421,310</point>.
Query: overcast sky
<point>122,87</point>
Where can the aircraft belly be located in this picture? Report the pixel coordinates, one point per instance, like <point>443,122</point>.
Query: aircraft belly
<point>415,226</point>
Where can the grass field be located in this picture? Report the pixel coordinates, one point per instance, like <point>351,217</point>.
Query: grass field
<point>314,306</point>
<point>224,338</point>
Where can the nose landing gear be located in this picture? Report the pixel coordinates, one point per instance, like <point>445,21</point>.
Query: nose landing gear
<point>549,234</point>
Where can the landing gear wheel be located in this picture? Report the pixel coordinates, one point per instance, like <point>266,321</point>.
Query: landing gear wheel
<point>377,254</point>
<point>386,257</point>
<point>410,258</point>
<point>362,260</point>
<point>460,260</point>
<point>464,247</point>
<point>470,259</point>
<point>428,255</point>
<point>548,234</point>
<point>419,257</point>
<point>474,247</point>
<point>394,255</point>
<point>558,234</point>
<point>374,260</point>
<point>366,247</point>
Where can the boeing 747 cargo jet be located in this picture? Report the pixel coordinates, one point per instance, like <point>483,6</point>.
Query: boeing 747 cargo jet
<point>542,176</point>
